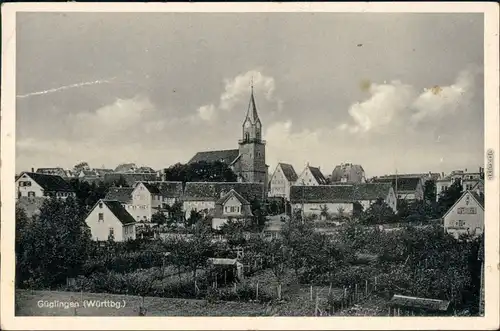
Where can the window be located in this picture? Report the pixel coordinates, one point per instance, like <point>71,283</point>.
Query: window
<point>100,204</point>
<point>31,194</point>
<point>111,231</point>
<point>101,217</point>
<point>247,136</point>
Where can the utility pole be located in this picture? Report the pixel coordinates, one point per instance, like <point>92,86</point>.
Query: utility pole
<point>303,214</point>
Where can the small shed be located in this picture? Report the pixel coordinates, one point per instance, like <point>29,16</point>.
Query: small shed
<point>227,267</point>
<point>401,305</point>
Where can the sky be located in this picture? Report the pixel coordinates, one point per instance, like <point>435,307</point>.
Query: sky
<point>387,91</point>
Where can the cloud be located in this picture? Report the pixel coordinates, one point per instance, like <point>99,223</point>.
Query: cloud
<point>133,115</point>
<point>236,91</point>
<point>395,103</point>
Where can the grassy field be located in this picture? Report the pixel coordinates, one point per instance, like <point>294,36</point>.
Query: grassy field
<point>27,305</point>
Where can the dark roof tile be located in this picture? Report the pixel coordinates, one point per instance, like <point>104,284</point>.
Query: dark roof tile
<point>404,184</point>
<point>211,191</point>
<point>289,172</point>
<point>50,183</point>
<point>165,188</point>
<point>122,194</point>
<point>119,211</point>
<point>318,175</point>
<point>338,193</point>
<point>226,156</point>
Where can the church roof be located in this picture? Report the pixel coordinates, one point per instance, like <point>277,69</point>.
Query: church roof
<point>226,156</point>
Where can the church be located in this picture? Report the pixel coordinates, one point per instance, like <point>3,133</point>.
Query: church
<point>248,161</point>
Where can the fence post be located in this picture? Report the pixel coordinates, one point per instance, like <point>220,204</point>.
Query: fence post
<point>257,292</point>
<point>375,285</point>
<point>235,287</point>
<point>311,293</point>
<point>330,289</point>
<point>356,292</point>
<point>366,287</point>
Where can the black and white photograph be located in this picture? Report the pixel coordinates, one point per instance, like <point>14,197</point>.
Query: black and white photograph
<point>200,162</point>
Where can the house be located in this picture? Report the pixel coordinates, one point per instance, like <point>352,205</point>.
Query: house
<point>202,196</point>
<point>466,216</point>
<point>273,228</point>
<point>424,176</point>
<point>129,178</point>
<point>409,188</point>
<point>348,173</point>
<point>468,180</point>
<point>109,218</point>
<point>282,178</point>
<point>126,168</point>
<point>231,205</point>
<point>478,187</point>
<point>248,161</point>
<point>339,199</point>
<point>145,170</point>
<point>52,171</point>
<point>102,171</point>
<point>32,184</point>
<point>144,199</point>
<point>311,176</point>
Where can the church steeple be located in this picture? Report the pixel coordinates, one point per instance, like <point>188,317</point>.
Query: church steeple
<point>252,126</point>
<point>252,114</point>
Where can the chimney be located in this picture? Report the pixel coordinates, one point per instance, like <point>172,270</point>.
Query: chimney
<point>32,169</point>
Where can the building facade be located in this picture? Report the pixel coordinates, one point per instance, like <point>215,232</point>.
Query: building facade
<point>348,173</point>
<point>466,216</point>
<point>283,177</point>
<point>109,218</point>
<point>33,185</point>
<point>311,176</point>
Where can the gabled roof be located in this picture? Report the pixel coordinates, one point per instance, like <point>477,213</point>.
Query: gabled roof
<point>477,197</point>
<point>126,167</point>
<point>346,170</point>
<point>316,173</point>
<point>339,193</point>
<point>423,303</point>
<point>288,171</point>
<point>52,171</point>
<point>130,178</point>
<point>119,211</point>
<point>404,184</point>
<point>50,183</point>
<point>145,170</point>
<point>164,188</point>
<point>122,194</point>
<point>235,194</point>
<point>211,191</point>
<point>225,156</point>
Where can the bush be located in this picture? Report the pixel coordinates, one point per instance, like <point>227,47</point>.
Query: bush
<point>124,262</point>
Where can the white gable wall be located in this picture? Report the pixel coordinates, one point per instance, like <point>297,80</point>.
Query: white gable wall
<point>306,178</point>
<point>467,216</point>
<point>25,186</point>
<point>100,229</point>
<point>280,186</point>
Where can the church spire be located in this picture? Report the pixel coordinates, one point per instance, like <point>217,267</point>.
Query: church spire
<point>252,108</point>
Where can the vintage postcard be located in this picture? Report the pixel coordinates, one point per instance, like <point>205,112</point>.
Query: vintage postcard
<point>273,165</point>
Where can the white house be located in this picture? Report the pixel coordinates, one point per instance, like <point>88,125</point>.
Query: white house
<point>282,178</point>
<point>202,196</point>
<point>231,205</point>
<point>144,199</point>
<point>110,218</point>
<point>32,185</point>
<point>340,199</point>
<point>466,216</point>
<point>311,176</point>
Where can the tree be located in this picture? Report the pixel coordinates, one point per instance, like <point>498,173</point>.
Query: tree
<point>299,237</point>
<point>324,211</point>
<point>176,212</point>
<point>448,197</point>
<point>159,218</point>
<point>379,213</point>
<point>57,243</point>
<point>200,248</point>
<point>357,210</point>
<point>277,254</point>
<point>194,218</point>
<point>259,215</point>
<point>430,191</point>
<point>233,231</point>
<point>81,166</point>
<point>200,172</point>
